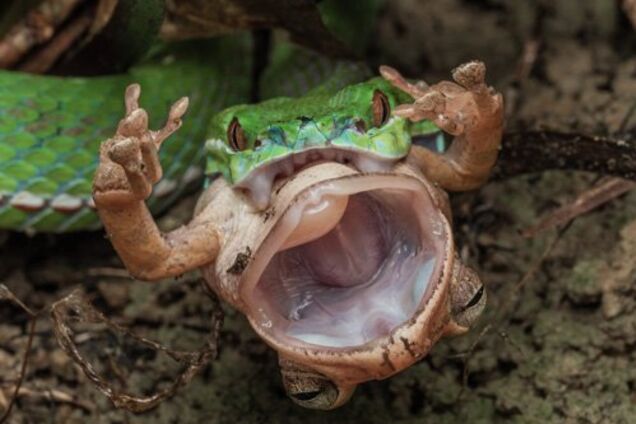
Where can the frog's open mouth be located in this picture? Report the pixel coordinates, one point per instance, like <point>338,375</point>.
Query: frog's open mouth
<point>350,261</point>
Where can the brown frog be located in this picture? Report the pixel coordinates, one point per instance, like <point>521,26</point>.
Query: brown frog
<point>342,259</point>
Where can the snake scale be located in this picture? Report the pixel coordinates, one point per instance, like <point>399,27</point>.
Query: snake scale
<point>51,127</point>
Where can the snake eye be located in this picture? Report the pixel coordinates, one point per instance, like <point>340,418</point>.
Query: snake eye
<point>381,108</point>
<point>236,136</point>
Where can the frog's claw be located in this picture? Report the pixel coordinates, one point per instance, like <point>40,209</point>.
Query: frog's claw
<point>467,109</point>
<point>394,77</point>
<point>173,123</point>
<point>129,167</point>
<point>139,163</point>
<point>135,149</point>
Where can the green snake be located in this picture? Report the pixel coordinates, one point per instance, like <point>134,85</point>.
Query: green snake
<point>51,127</point>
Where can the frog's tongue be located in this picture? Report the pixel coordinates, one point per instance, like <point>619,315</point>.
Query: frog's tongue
<point>331,238</point>
<point>353,267</point>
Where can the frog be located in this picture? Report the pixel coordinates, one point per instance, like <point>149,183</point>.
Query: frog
<point>323,221</point>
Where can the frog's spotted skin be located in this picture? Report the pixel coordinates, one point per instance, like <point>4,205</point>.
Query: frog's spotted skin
<point>51,129</point>
<point>283,134</point>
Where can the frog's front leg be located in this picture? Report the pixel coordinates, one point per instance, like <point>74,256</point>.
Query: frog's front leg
<point>467,109</point>
<point>129,166</point>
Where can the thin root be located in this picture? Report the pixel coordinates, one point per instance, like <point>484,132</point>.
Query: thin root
<point>608,189</point>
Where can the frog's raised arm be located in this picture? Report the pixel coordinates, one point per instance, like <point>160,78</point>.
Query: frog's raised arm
<point>470,111</point>
<point>129,166</point>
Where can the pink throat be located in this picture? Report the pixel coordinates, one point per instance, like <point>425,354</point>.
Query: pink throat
<point>350,265</point>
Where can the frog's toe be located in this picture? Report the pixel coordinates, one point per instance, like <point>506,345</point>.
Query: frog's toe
<point>471,75</point>
<point>127,153</point>
<point>131,98</point>
<point>110,186</point>
<point>173,123</point>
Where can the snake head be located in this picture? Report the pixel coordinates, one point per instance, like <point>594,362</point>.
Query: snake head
<point>253,145</point>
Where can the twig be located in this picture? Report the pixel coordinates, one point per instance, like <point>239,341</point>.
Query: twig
<point>524,68</point>
<point>44,59</point>
<point>504,310</point>
<point>530,272</point>
<point>5,294</point>
<point>629,6</point>
<point>4,403</point>
<point>75,307</point>
<point>627,118</point>
<point>535,151</point>
<point>36,28</point>
<point>468,355</point>
<point>513,343</point>
<point>603,191</point>
<point>55,395</point>
<point>528,60</point>
<point>608,189</point>
<point>108,272</point>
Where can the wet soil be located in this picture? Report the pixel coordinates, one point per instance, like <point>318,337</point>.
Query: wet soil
<point>557,340</point>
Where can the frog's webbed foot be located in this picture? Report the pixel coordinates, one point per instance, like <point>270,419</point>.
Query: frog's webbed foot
<point>467,109</point>
<point>129,167</point>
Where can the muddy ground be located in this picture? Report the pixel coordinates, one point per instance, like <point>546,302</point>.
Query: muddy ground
<point>557,341</point>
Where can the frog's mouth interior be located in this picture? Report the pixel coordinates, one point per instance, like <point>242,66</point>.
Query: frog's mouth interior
<point>258,184</point>
<point>348,263</point>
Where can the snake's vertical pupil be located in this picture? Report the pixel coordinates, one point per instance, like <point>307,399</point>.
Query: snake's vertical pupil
<point>381,108</point>
<point>236,136</point>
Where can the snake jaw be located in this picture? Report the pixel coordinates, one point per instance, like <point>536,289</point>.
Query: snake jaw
<point>258,184</point>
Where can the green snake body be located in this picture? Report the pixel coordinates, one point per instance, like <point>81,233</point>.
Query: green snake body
<point>51,128</point>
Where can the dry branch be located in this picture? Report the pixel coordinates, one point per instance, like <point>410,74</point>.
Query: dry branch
<point>536,151</point>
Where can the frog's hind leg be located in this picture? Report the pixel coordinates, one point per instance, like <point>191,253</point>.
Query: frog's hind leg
<point>129,167</point>
<point>467,109</point>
